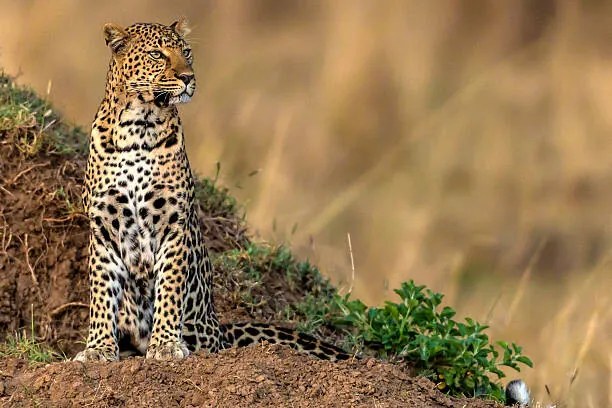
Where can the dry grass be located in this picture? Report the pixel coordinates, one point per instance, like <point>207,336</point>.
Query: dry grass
<point>464,145</point>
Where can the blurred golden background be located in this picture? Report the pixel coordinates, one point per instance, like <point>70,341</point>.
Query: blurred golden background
<point>463,144</point>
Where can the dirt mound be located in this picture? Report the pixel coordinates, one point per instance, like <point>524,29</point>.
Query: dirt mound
<point>250,377</point>
<point>43,287</point>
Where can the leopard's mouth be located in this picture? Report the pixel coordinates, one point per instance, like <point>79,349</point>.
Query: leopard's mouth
<point>174,94</point>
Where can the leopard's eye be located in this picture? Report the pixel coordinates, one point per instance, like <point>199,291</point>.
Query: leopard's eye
<point>155,54</point>
<point>187,52</point>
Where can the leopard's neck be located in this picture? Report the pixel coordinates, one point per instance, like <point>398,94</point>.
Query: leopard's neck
<point>123,123</point>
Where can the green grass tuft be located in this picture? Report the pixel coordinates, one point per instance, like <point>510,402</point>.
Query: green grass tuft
<point>260,265</point>
<point>25,346</point>
<point>34,124</point>
<point>217,199</point>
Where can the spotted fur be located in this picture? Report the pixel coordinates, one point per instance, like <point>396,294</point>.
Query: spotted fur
<point>149,270</point>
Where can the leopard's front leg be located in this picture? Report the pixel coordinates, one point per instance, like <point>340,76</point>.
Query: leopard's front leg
<point>170,285</point>
<point>105,292</point>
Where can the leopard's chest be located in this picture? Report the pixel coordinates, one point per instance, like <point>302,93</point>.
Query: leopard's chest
<point>139,197</point>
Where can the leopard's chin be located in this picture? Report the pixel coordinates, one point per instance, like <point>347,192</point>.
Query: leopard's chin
<point>182,98</point>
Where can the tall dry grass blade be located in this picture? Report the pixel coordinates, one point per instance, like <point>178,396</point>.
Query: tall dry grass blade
<point>587,340</point>
<point>350,247</point>
<point>487,319</point>
<point>49,87</point>
<point>559,334</point>
<point>523,282</point>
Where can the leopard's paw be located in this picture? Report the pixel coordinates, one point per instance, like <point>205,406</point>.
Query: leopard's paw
<point>172,350</point>
<point>96,354</point>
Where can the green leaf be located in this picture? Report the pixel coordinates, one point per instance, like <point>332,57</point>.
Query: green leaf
<point>525,360</point>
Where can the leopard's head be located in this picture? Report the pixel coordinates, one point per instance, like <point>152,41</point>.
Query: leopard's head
<point>151,62</point>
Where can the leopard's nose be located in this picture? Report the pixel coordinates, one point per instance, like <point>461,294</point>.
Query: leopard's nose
<point>186,78</point>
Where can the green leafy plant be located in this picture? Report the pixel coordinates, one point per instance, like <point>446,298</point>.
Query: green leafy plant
<point>457,355</point>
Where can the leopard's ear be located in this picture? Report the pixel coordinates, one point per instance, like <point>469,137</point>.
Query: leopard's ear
<point>116,37</point>
<point>181,27</point>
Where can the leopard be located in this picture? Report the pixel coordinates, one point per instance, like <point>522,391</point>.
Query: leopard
<point>150,273</point>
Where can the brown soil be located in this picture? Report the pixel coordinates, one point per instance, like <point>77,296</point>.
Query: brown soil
<point>43,256</point>
<point>251,377</point>
<point>43,245</point>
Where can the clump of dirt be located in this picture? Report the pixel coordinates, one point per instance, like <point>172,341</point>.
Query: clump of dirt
<point>44,285</point>
<point>250,377</point>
